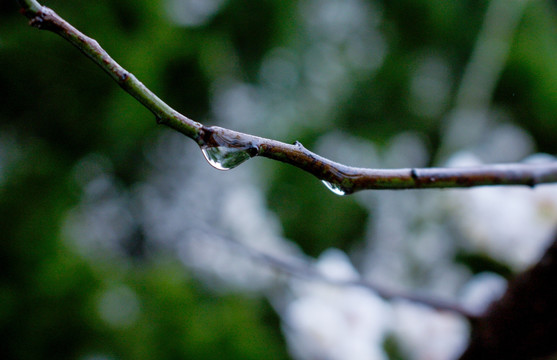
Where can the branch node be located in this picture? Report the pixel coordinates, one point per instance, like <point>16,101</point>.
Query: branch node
<point>299,145</point>
<point>37,21</point>
<point>124,76</point>
<point>414,175</point>
<point>253,150</point>
<point>531,183</point>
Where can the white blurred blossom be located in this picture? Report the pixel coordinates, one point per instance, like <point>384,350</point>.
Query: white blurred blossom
<point>325,321</point>
<point>427,334</point>
<point>481,291</point>
<point>351,150</point>
<point>99,223</point>
<point>512,224</point>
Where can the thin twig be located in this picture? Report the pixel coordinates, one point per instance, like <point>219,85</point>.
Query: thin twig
<point>45,18</point>
<point>302,269</point>
<point>340,178</point>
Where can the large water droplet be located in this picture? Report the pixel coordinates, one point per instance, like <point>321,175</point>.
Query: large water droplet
<point>225,158</point>
<point>335,188</point>
<point>225,149</point>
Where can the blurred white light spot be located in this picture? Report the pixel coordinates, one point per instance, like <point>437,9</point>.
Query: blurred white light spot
<point>406,149</point>
<point>511,224</point>
<point>337,323</point>
<point>506,143</point>
<point>279,69</point>
<point>237,104</point>
<point>192,12</point>
<point>427,334</point>
<point>334,20</point>
<point>323,64</point>
<point>366,51</point>
<point>351,150</point>
<point>119,306</point>
<point>430,86</point>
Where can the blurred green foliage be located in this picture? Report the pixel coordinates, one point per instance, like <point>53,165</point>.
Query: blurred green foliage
<point>57,107</point>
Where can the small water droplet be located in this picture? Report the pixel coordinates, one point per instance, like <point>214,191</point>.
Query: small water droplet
<point>225,158</point>
<point>337,189</point>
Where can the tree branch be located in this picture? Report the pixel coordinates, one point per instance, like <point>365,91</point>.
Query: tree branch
<point>45,18</point>
<point>225,148</point>
<point>298,267</point>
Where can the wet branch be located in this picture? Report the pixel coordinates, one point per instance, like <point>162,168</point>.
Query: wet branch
<point>225,148</point>
<point>45,18</point>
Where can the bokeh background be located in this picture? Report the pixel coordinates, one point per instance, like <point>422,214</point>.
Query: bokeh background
<point>119,241</point>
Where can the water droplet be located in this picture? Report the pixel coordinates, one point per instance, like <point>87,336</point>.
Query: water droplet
<point>225,149</point>
<point>225,158</point>
<point>337,189</point>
